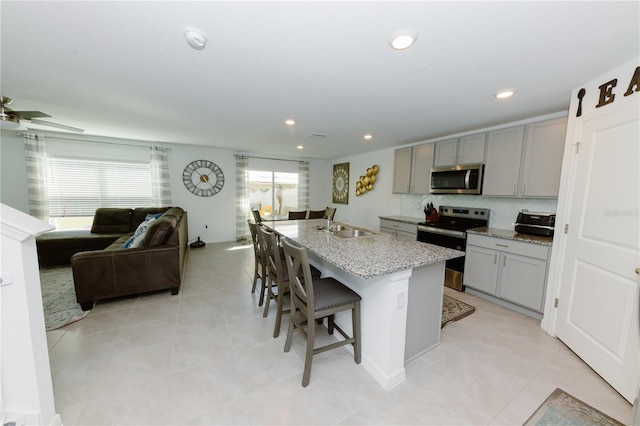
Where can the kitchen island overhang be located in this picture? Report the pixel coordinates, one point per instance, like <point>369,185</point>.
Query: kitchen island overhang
<point>401,285</point>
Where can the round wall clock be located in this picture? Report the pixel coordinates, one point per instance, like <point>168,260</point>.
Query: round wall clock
<point>203,178</point>
<point>341,183</point>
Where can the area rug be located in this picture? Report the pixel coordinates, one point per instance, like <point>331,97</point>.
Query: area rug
<point>560,408</point>
<point>453,310</point>
<point>59,297</point>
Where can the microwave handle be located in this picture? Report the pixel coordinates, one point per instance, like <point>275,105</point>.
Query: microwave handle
<point>467,180</point>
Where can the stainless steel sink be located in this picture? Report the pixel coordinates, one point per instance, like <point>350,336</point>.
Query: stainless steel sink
<point>354,233</point>
<point>338,227</point>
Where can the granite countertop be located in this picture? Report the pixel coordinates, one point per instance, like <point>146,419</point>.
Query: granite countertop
<point>365,257</point>
<point>406,219</point>
<point>508,234</point>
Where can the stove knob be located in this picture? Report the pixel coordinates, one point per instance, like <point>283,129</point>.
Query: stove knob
<point>458,247</point>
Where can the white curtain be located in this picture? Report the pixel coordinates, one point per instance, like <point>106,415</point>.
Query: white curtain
<point>160,183</point>
<point>35,156</point>
<point>242,197</point>
<point>303,185</point>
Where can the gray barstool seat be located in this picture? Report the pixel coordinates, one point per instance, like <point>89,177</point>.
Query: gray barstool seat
<point>317,299</point>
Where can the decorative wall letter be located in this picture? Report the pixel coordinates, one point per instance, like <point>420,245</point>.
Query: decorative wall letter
<point>606,95</point>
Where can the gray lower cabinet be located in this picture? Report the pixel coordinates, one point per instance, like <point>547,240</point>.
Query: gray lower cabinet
<point>399,229</point>
<point>509,270</point>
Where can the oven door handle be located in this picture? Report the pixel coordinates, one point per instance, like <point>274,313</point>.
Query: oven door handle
<point>433,230</point>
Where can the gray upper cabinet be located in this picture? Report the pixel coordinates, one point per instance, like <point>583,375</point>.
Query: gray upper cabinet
<point>402,170</point>
<point>471,149</point>
<point>542,162</point>
<point>412,169</point>
<point>463,150</point>
<point>525,161</point>
<point>445,153</point>
<point>502,164</point>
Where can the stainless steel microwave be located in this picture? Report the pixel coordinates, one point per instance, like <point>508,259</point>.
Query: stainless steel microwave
<point>463,179</point>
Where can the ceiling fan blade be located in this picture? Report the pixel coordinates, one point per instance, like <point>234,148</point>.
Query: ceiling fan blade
<point>59,126</point>
<point>28,115</point>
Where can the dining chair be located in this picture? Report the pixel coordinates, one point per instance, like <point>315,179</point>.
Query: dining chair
<point>297,215</point>
<point>316,214</point>
<point>312,300</point>
<point>260,268</point>
<point>329,213</point>
<point>277,277</point>
<point>256,215</point>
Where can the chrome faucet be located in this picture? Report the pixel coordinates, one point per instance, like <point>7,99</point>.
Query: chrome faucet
<point>328,224</point>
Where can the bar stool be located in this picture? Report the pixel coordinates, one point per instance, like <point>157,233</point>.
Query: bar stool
<point>277,277</point>
<point>316,299</point>
<point>297,215</point>
<point>260,269</point>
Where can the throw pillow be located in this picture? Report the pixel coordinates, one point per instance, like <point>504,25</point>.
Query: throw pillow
<point>138,237</point>
<point>154,215</point>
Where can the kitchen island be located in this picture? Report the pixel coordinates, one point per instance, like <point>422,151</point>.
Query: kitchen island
<point>400,282</point>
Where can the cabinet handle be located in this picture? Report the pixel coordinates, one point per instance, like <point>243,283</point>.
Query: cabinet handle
<point>514,190</point>
<point>495,258</point>
<point>524,189</point>
<point>504,262</point>
<point>502,245</point>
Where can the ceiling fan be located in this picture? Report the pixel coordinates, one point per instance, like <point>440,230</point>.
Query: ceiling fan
<point>15,120</point>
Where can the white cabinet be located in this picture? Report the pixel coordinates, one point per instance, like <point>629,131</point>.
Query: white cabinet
<point>509,270</point>
<point>399,229</point>
<point>412,169</point>
<point>464,150</point>
<point>502,165</point>
<point>525,161</point>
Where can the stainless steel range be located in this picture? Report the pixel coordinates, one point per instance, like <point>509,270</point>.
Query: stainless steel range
<point>450,231</point>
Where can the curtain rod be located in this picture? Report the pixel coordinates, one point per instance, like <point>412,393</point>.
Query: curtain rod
<point>267,158</point>
<point>84,140</point>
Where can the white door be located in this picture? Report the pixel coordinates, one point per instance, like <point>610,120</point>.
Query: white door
<point>597,315</point>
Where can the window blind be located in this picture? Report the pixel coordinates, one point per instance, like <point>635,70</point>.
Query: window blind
<point>77,188</point>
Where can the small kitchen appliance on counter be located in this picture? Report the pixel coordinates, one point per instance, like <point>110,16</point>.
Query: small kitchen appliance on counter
<point>450,230</point>
<point>536,223</point>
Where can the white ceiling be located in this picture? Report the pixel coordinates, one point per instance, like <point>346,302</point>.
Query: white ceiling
<point>124,69</point>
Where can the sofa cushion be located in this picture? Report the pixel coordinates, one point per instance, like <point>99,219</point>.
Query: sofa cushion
<point>160,230</point>
<point>138,237</point>
<point>111,221</point>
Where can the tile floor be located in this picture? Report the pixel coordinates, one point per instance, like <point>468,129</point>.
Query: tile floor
<point>206,356</point>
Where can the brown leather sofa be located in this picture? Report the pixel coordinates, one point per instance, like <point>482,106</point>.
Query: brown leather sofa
<point>114,272</point>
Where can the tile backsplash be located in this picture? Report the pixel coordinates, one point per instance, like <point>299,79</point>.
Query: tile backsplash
<point>503,210</point>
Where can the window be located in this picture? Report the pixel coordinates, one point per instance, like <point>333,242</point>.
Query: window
<point>273,193</point>
<point>76,188</point>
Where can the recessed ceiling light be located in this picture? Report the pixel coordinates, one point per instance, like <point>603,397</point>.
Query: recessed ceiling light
<point>368,137</point>
<point>289,122</point>
<point>195,38</point>
<point>300,147</point>
<point>403,39</point>
<point>504,94</point>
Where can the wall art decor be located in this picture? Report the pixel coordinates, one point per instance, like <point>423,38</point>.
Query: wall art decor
<point>341,183</point>
<point>365,183</point>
